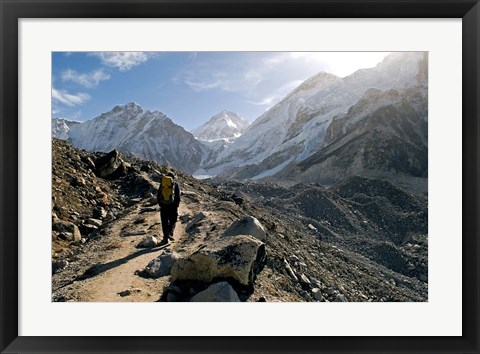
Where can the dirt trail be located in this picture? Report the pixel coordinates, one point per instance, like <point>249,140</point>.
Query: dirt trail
<point>117,282</point>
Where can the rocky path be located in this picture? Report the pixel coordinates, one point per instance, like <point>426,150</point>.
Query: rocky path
<point>115,259</point>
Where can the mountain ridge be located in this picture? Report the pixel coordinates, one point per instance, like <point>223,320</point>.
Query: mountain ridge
<point>294,133</point>
<point>151,135</point>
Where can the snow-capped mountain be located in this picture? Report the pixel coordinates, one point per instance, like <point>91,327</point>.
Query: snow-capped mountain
<point>384,135</point>
<point>149,135</point>
<point>371,123</point>
<point>296,127</point>
<point>61,127</point>
<point>225,125</point>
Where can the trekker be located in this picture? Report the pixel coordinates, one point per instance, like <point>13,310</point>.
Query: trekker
<point>168,197</point>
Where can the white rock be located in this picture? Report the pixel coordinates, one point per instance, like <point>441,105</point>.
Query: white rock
<point>247,226</point>
<point>148,242</point>
<point>304,279</point>
<point>94,222</point>
<point>162,265</point>
<point>218,292</point>
<point>239,258</point>
<point>290,271</point>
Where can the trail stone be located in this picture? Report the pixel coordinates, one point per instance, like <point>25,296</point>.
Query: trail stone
<point>94,222</point>
<point>59,265</point>
<point>148,242</point>
<point>196,219</point>
<point>317,294</point>
<point>330,291</point>
<point>290,271</point>
<point>89,162</point>
<point>340,298</point>
<point>78,181</point>
<point>247,226</point>
<point>151,202</point>
<point>239,258</point>
<point>68,236</point>
<point>88,229</point>
<point>304,279</point>
<point>100,213</point>
<point>218,292</point>
<point>125,293</point>
<point>66,226</point>
<point>161,266</point>
<point>423,277</point>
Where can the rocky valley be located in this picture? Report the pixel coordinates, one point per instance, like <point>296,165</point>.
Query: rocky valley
<point>359,239</point>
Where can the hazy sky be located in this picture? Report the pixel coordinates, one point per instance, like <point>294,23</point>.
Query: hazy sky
<point>190,87</point>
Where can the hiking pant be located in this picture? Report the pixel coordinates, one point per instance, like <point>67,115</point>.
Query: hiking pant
<point>168,215</point>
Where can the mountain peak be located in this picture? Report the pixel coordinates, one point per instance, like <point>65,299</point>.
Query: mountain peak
<point>128,107</point>
<point>61,127</point>
<point>317,82</point>
<point>224,125</point>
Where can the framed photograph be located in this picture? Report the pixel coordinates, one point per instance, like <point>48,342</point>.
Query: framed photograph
<point>241,177</point>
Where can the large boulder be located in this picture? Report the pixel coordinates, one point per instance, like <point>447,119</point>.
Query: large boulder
<point>110,166</point>
<point>160,266</point>
<point>218,292</point>
<point>247,226</point>
<point>68,228</point>
<point>234,258</point>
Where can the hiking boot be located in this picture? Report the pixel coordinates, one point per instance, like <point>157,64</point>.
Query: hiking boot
<point>163,242</point>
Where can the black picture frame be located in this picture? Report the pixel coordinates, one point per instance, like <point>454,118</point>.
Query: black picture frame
<point>13,10</point>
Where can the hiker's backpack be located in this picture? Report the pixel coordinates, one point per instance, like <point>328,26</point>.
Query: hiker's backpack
<point>166,193</point>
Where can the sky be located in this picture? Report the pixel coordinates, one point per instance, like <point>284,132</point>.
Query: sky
<point>189,87</point>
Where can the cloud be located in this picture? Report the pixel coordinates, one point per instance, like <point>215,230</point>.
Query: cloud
<point>289,86</point>
<point>68,99</point>
<point>88,80</point>
<point>267,101</point>
<point>123,61</point>
<point>276,58</point>
<point>235,82</point>
<point>203,86</point>
<point>278,94</point>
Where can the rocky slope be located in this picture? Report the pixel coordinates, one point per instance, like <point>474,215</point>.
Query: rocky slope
<point>361,240</point>
<point>148,135</point>
<point>225,125</point>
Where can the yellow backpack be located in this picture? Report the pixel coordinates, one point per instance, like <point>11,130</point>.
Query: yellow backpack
<point>166,194</point>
